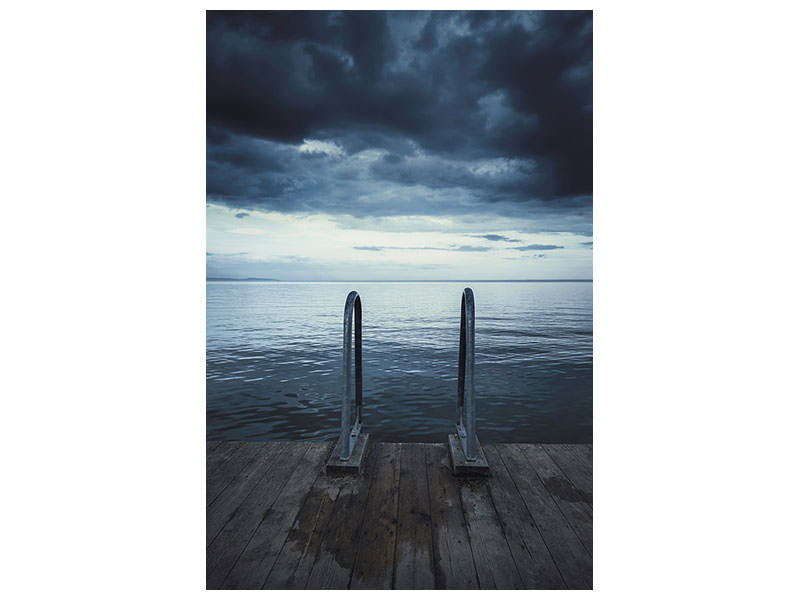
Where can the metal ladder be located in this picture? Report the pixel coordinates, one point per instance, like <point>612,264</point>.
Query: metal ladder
<point>465,412</point>
<point>351,428</point>
<point>466,460</point>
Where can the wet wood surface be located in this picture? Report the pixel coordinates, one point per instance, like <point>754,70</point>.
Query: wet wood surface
<point>275,520</point>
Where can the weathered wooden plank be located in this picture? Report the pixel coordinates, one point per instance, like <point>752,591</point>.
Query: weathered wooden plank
<point>493,559</point>
<point>219,455</point>
<point>582,451</point>
<point>572,559</point>
<point>576,471</point>
<point>228,500</point>
<point>400,524</point>
<point>413,559</point>
<point>454,567</point>
<point>533,560</point>
<point>292,566</point>
<point>567,497</point>
<point>374,563</point>
<point>334,562</point>
<point>227,471</point>
<point>251,569</point>
<point>223,551</point>
<point>572,460</point>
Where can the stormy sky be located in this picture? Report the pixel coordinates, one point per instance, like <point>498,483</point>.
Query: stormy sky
<point>399,145</point>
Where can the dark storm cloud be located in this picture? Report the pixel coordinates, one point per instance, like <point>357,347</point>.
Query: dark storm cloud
<point>493,237</point>
<point>448,249</point>
<point>242,215</point>
<point>442,113</point>
<point>471,248</point>
<point>538,247</point>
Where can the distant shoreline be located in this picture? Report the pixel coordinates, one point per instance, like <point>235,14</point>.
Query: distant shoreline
<point>232,279</point>
<point>235,279</point>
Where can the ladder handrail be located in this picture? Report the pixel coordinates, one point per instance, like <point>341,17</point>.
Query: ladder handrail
<point>467,433</point>
<point>349,431</point>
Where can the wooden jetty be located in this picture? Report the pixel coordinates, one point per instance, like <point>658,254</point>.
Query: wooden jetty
<point>275,520</point>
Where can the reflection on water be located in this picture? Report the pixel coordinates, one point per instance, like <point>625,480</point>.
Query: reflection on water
<point>274,353</point>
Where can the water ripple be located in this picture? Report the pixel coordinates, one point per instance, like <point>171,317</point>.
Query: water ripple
<point>274,350</point>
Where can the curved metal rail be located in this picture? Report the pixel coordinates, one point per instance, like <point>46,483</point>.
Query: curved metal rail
<point>350,428</point>
<point>465,417</point>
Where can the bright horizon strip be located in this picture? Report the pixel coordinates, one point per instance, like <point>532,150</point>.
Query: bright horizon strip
<point>297,246</point>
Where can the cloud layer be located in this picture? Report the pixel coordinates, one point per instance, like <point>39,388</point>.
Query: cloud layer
<point>368,115</point>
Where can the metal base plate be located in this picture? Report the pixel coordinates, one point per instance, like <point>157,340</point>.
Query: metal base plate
<point>354,464</point>
<point>461,466</point>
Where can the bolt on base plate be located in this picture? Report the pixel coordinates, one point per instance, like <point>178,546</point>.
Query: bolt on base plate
<point>354,464</point>
<point>463,467</point>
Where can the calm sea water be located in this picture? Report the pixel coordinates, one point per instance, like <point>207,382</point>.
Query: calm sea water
<point>274,359</point>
